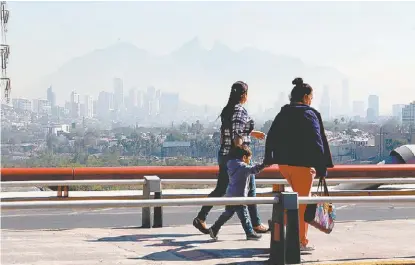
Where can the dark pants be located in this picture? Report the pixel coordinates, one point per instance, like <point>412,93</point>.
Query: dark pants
<point>220,190</point>
<point>241,211</point>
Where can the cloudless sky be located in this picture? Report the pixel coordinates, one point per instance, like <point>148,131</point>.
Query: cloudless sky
<point>372,42</point>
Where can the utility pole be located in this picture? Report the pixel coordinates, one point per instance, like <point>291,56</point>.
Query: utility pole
<point>4,50</point>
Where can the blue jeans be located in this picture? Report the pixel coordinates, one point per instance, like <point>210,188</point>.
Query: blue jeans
<point>241,211</point>
<point>220,190</point>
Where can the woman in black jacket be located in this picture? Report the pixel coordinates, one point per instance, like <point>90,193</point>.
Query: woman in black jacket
<point>297,142</point>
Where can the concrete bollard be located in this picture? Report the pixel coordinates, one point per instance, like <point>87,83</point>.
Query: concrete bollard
<point>292,240</point>
<point>151,184</point>
<point>277,244</point>
<point>158,212</point>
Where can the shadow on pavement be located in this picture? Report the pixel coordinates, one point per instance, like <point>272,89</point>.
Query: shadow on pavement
<point>183,252</point>
<point>137,238</point>
<point>245,263</point>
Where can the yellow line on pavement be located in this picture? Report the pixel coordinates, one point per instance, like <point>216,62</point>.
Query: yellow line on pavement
<point>375,262</point>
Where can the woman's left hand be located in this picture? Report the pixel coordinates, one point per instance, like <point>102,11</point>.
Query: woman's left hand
<point>258,135</point>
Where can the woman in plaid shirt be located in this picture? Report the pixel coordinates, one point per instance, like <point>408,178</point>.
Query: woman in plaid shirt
<point>236,130</point>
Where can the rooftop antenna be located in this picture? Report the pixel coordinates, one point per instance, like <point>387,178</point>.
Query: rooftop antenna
<point>4,50</point>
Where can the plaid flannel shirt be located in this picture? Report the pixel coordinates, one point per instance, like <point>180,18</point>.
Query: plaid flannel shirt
<point>242,126</point>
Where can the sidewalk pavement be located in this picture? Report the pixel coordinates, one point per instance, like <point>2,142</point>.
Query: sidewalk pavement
<point>350,241</point>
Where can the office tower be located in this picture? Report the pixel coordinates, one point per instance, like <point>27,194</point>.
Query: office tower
<point>75,105</point>
<point>373,108</point>
<point>22,104</point>
<point>118,94</point>
<point>105,104</point>
<point>408,114</point>
<point>397,111</point>
<point>51,96</point>
<point>150,104</point>
<point>41,106</point>
<point>88,107</point>
<point>325,106</point>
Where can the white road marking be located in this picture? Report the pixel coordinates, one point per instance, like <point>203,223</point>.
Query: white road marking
<point>344,206</point>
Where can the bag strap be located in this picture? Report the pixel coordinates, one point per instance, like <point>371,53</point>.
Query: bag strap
<point>323,185</point>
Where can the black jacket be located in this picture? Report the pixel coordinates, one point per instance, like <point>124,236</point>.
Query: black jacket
<point>297,138</point>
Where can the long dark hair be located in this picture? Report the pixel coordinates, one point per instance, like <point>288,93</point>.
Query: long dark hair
<point>238,90</point>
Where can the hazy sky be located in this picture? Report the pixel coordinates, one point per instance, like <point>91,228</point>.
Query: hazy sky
<point>372,42</point>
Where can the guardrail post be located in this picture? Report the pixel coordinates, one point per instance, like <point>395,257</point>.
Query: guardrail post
<point>151,184</point>
<point>158,211</point>
<point>277,245</point>
<point>59,191</point>
<point>292,241</point>
<point>65,191</point>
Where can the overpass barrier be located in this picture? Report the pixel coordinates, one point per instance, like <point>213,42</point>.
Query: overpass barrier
<point>189,172</point>
<point>199,202</point>
<point>119,182</point>
<point>285,242</point>
<point>184,175</point>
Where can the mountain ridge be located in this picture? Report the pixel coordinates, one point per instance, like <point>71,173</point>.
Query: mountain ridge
<point>189,70</point>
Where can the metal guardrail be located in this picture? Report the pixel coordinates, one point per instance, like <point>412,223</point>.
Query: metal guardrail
<point>188,172</point>
<point>198,202</point>
<point>113,182</point>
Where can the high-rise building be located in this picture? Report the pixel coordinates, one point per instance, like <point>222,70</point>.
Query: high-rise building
<point>75,105</point>
<point>131,100</point>
<point>397,111</point>
<point>150,106</point>
<point>140,99</point>
<point>325,106</point>
<point>373,108</point>
<point>88,106</point>
<point>41,106</point>
<point>51,97</point>
<point>22,104</point>
<point>105,104</point>
<point>118,94</point>
<point>408,114</point>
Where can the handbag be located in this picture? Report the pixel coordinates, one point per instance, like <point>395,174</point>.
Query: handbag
<point>321,215</point>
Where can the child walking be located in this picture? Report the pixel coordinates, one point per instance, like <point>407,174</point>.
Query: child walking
<point>239,171</point>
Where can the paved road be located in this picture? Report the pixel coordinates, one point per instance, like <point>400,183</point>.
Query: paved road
<point>121,217</point>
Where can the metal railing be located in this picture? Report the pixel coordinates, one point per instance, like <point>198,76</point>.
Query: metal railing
<point>115,182</point>
<point>188,172</point>
<point>198,202</point>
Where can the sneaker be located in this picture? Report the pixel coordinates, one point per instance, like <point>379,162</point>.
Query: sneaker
<point>306,248</point>
<point>261,229</point>
<point>213,234</point>
<point>200,225</point>
<point>253,236</point>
